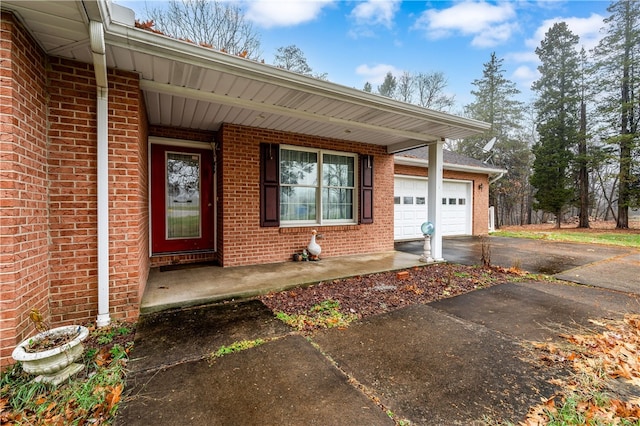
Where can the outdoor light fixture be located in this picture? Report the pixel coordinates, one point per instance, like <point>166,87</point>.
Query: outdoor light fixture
<point>481,186</point>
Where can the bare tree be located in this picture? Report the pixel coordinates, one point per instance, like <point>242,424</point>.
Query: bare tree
<point>430,88</point>
<point>292,58</point>
<point>426,90</point>
<point>404,91</point>
<point>218,24</point>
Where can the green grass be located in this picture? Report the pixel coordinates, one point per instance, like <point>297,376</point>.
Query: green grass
<point>237,347</point>
<point>608,238</point>
<point>90,397</point>
<point>325,314</point>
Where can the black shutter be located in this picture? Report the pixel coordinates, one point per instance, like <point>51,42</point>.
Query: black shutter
<point>366,189</point>
<point>269,185</point>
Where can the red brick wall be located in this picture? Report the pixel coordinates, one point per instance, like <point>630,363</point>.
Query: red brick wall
<point>48,181</point>
<point>142,199</point>
<point>241,240</point>
<point>480,210</point>
<point>128,195</point>
<point>23,185</point>
<point>181,133</point>
<point>73,193</point>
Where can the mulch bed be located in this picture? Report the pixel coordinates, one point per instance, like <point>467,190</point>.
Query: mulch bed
<point>382,292</point>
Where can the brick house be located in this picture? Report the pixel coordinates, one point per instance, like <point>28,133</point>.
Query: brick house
<point>123,150</point>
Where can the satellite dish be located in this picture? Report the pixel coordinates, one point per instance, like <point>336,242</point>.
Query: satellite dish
<point>489,145</point>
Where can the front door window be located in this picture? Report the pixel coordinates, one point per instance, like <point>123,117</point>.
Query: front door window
<point>183,195</point>
<point>182,211</point>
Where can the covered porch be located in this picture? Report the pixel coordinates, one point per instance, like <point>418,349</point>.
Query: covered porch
<point>197,284</point>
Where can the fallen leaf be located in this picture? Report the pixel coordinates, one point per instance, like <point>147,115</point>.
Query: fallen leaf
<point>104,357</point>
<point>114,396</point>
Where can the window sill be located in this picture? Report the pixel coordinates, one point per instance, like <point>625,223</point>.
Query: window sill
<point>325,228</point>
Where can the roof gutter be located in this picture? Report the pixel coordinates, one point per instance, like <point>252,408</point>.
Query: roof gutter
<point>100,67</point>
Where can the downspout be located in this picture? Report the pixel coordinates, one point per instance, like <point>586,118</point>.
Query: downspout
<point>100,67</point>
<point>496,178</point>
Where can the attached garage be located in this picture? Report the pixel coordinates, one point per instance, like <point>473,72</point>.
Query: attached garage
<point>465,194</point>
<point>410,207</point>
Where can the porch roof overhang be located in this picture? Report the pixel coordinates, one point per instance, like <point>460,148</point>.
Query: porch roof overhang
<point>194,87</point>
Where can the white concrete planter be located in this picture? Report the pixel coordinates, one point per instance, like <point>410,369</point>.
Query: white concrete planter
<point>53,365</point>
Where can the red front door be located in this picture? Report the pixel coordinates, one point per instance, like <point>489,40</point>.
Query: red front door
<point>182,203</point>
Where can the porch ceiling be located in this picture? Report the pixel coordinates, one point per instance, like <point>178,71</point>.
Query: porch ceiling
<point>189,86</point>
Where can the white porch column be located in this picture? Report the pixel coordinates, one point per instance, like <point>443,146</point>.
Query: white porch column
<point>434,200</point>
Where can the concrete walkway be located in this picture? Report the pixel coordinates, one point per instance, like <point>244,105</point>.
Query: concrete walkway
<point>197,285</point>
<point>459,361</point>
<point>200,284</point>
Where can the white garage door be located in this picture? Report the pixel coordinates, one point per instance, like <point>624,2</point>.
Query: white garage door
<point>410,207</point>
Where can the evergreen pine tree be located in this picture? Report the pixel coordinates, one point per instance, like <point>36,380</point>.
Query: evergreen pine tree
<point>557,108</point>
<point>617,58</point>
<point>495,104</point>
<point>388,86</point>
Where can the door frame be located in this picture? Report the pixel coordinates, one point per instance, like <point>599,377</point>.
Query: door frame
<point>183,143</point>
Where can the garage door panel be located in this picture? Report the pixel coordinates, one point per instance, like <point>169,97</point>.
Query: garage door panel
<point>411,210</point>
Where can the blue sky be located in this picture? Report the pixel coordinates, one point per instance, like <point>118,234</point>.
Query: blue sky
<point>359,41</point>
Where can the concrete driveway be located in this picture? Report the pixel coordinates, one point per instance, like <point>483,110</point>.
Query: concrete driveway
<point>616,268</point>
<point>459,361</point>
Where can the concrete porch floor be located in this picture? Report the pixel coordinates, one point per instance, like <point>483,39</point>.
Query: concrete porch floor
<point>198,284</point>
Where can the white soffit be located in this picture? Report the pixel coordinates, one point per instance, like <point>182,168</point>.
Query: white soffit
<point>189,86</point>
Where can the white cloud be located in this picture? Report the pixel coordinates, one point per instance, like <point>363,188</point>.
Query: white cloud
<point>375,12</point>
<point>587,28</point>
<point>496,35</point>
<point>520,57</point>
<point>525,76</point>
<point>375,74</point>
<point>490,24</point>
<point>285,13</point>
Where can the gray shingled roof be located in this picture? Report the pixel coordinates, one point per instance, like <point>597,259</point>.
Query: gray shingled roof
<point>449,158</point>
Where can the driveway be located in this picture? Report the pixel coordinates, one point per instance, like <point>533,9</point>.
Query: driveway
<point>616,268</point>
<point>458,361</point>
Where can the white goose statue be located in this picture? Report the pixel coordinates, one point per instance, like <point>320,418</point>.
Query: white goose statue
<point>313,247</point>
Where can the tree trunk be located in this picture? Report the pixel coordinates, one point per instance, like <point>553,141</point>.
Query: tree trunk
<point>583,174</point>
<point>625,133</point>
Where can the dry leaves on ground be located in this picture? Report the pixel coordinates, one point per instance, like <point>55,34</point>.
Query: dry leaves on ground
<point>605,386</point>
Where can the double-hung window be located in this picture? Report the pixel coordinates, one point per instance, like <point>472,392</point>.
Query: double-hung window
<point>317,186</point>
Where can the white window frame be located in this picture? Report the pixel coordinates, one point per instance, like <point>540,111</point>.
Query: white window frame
<point>319,221</point>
